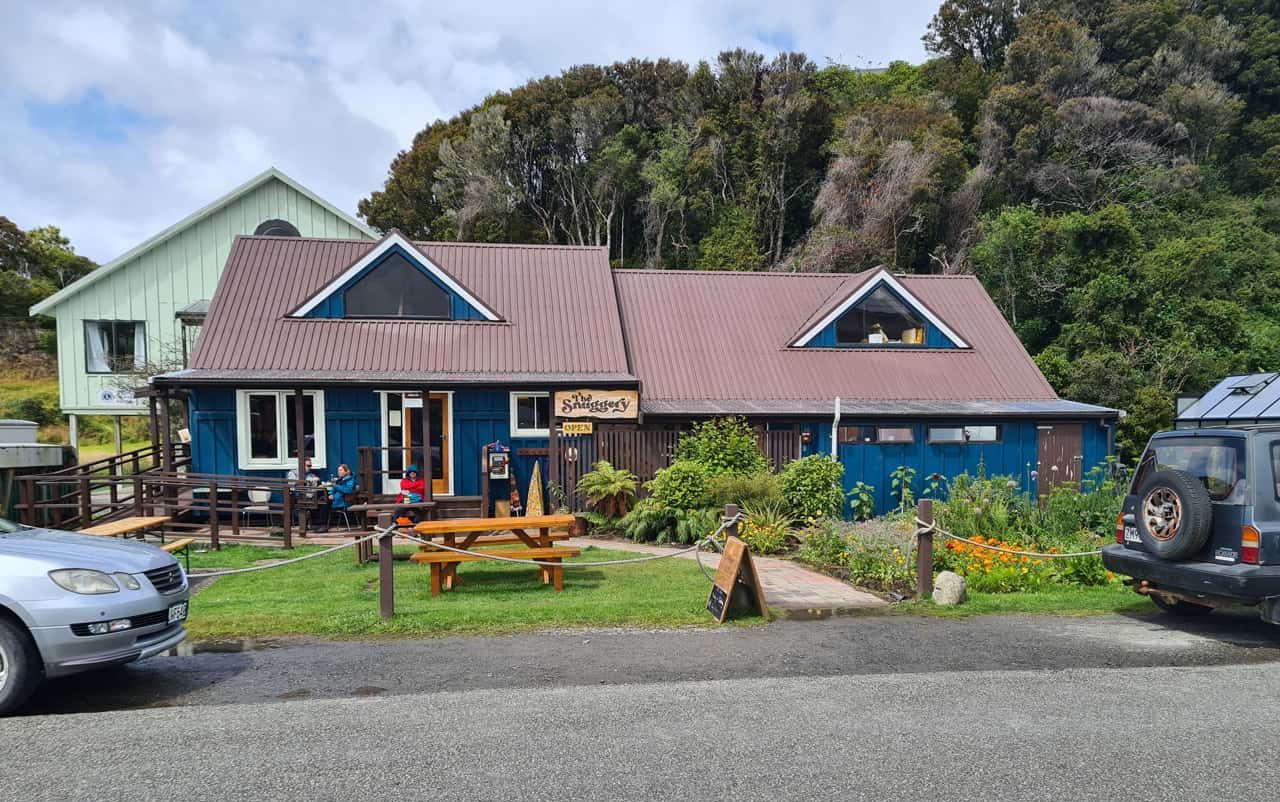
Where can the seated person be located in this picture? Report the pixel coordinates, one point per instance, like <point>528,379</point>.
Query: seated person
<point>340,492</point>
<point>412,490</point>
<point>312,480</point>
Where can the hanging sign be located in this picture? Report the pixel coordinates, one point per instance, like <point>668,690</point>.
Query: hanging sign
<point>610,404</point>
<point>736,578</point>
<point>577,427</point>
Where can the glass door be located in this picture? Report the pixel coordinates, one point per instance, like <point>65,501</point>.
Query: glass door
<point>404,439</point>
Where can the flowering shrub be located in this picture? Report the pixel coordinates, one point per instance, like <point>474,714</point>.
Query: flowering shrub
<point>991,571</point>
<point>811,487</point>
<point>723,446</point>
<point>766,528</point>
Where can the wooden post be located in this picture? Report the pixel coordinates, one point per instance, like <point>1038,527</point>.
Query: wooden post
<point>155,427</point>
<point>26,503</point>
<point>427,467</point>
<point>166,434</point>
<point>235,512</point>
<point>213,515</point>
<point>386,579</point>
<point>731,514</point>
<point>553,442</point>
<point>137,494</point>
<point>484,482</point>
<point>287,520</point>
<point>924,548</point>
<point>299,444</point>
<point>86,499</point>
<point>119,438</point>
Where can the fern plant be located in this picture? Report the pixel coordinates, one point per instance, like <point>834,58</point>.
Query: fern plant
<point>609,490</point>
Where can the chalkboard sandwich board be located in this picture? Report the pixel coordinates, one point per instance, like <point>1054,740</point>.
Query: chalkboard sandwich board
<point>736,582</point>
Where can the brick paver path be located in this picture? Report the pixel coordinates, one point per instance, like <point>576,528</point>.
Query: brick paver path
<point>788,586</point>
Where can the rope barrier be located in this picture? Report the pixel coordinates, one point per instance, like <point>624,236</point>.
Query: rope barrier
<point>355,542</point>
<point>392,530</point>
<point>933,527</point>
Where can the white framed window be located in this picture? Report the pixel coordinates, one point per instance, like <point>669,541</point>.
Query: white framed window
<point>266,429</point>
<point>115,346</point>
<point>530,415</point>
<point>964,434</point>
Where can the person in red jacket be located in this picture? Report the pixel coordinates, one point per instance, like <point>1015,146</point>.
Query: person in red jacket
<point>412,491</point>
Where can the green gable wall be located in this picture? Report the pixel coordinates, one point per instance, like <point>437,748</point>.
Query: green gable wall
<point>181,268</point>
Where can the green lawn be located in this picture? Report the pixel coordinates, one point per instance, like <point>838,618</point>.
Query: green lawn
<point>333,597</point>
<point>1052,601</point>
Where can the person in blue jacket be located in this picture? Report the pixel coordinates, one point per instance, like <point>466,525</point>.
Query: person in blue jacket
<point>340,493</point>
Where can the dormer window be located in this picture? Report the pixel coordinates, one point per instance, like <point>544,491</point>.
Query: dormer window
<point>881,318</point>
<point>395,288</point>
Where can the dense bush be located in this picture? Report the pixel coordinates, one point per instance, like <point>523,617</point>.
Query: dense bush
<point>723,446</point>
<point>745,490</point>
<point>876,553</point>
<point>812,487</point>
<point>650,521</point>
<point>682,485</point>
<point>609,490</point>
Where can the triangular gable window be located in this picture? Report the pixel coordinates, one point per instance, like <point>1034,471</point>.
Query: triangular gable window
<point>880,312</point>
<point>395,288</point>
<point>878,319</point>
<point>395,280</point>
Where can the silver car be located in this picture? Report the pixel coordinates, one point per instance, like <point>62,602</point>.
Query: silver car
<point>72,603</point>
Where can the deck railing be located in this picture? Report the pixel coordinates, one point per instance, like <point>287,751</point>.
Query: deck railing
<point>210,505</point>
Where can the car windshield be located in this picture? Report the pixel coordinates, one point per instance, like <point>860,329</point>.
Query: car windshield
<point>1214,461</point>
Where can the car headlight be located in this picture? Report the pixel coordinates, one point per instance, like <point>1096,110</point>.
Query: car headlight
<point>126,581</point>
<point>84,581</point>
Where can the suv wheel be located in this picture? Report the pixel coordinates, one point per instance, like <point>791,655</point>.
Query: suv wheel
<point>19,668</point>
<point>1179,607</point>
<point>1174,514</point>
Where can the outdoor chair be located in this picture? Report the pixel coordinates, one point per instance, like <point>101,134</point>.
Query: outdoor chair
<point>259,501</point>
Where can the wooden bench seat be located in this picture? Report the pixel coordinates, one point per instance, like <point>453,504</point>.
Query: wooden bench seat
<point>180,545</point>
<point>499,540</point>
<point>444,564</point>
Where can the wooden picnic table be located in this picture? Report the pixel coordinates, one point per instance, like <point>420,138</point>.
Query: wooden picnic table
<point>135,525</point>
<point>469,533</point>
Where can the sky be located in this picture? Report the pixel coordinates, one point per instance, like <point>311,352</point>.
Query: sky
<point>117,119</point>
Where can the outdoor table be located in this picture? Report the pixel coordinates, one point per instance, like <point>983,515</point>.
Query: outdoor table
<point>534,532</point>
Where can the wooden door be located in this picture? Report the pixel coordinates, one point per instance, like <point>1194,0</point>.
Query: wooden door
<point>412,449</point>
<point>1061,455</point>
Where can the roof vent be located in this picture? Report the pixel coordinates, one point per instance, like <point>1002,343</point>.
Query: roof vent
<point>1252,385</point>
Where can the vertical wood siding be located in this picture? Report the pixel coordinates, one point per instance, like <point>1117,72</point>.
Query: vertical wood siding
<point>158,282</point>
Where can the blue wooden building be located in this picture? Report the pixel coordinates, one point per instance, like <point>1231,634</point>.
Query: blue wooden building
<point>378,354</point>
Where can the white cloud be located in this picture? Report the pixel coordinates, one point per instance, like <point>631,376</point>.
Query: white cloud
<point>191,101</point>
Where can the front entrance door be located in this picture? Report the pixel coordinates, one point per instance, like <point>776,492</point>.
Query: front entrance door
<point>1061,457</point>
<point>404,440</point>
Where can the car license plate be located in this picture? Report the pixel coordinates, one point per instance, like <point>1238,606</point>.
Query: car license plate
<point>1131,535</point>
<point>177,612</point>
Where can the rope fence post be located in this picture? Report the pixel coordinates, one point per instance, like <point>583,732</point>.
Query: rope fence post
<point>386,589</point>
<point>924,548</point>
<point>731,520</point>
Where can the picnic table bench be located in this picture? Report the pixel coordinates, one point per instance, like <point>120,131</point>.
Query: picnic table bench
<point>469,533</point>
<point>135,525</point>
<point>140,525</point>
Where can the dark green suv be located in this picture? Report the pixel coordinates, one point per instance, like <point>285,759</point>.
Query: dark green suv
<point>1200,526</point>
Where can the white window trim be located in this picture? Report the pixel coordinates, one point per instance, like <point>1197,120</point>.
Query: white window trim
<point>391,240</point>
<point>516,431</point>
<point>881,277</point>
<point>284,406</point>
<point>391,486</point>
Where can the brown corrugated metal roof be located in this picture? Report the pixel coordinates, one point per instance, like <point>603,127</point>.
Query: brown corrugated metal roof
<point>699,337</point>
<point>559,314</point>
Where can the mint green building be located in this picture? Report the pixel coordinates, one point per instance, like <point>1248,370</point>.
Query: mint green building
<point>143,310</point>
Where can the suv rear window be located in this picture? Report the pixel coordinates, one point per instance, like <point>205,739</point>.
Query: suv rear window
<point>1216,462</point>
<point>1275,468</point>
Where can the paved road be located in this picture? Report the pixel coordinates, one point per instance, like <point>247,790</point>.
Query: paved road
<point>1081,734</point>
<point>883,708</point>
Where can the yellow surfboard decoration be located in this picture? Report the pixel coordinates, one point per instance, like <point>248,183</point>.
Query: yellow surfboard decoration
<point>534,496</point>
